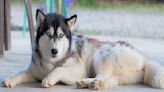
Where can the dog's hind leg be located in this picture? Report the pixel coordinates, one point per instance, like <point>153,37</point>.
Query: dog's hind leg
<point>97,83</point>
<point>19,78</point>
<point>103,79</point>
<point>154,74</point>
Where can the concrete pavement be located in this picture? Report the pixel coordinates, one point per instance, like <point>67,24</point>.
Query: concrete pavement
<point>19,57</point>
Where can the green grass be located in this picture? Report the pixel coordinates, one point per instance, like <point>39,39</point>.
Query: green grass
<point>92,5</point>
<point>34,2</point>
<point>133,7</point>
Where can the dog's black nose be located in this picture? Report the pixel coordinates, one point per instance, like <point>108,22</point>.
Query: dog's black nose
<point>54,51</point>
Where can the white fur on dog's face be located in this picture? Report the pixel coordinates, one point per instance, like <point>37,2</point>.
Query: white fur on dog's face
<point>59,42</point>
<point>54,35</point>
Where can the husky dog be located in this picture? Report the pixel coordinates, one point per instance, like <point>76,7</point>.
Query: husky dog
<point>61,56</point>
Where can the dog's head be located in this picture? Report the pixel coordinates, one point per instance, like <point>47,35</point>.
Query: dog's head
<point>53,35</point>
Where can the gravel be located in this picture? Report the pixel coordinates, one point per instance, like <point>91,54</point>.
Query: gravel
<point>130,24</point>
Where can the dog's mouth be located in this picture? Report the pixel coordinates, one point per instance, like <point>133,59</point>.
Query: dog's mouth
<point>53,55</point>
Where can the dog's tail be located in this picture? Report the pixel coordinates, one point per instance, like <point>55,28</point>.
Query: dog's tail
<point>154,74</point>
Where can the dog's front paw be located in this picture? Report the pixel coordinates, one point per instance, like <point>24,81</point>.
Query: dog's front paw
<point>47,82</point>
<point>9,83</point>
<point>96,85</point>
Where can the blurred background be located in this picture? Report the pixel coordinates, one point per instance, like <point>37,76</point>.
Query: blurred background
<point>139,22</point>
<point>134,18</point>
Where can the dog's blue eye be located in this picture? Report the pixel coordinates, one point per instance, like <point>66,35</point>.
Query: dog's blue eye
<point>48,34</point>
<point>61,35</point>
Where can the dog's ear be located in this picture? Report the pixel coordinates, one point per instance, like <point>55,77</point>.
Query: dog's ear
<point>40,16</point>
<point>71,21</point>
